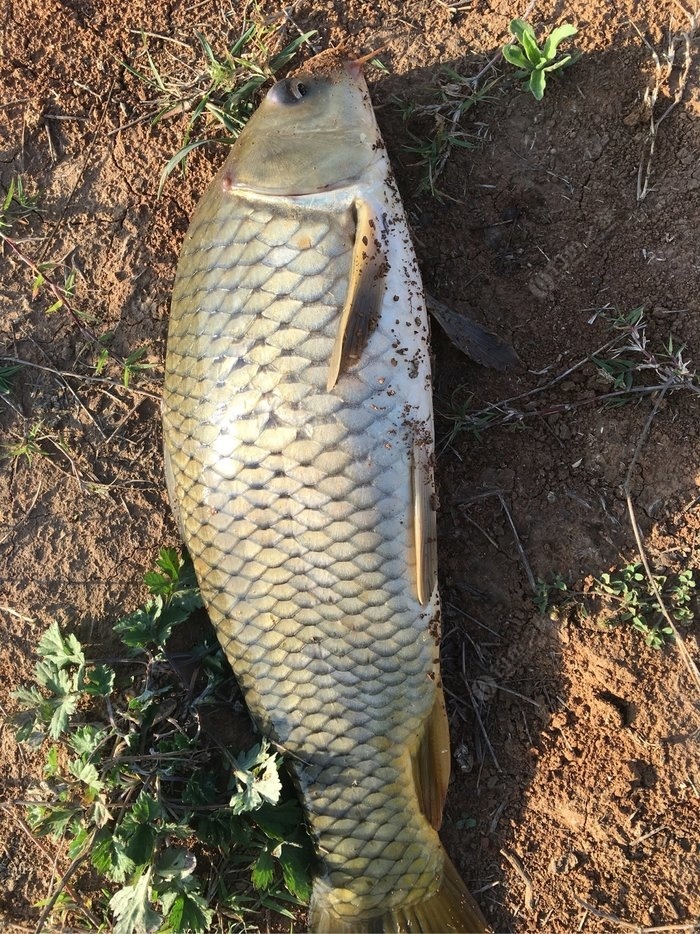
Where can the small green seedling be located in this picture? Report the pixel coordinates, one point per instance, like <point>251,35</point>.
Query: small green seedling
<point>533,62</point>
<point>435,127</point>
<point>28,446</point>
<point>17,205</point>
<point>6,374</point>
<point>545,592</point>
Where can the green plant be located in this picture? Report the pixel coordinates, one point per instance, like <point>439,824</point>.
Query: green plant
<point>536,62</point>
<point>629,363</point>
<point>456,412</point>
<point>63,294</point>
<point>628,598</point>
<point>176,826</point>
<point>440,121</point>
<point>545,590</point>
<point>28,446</point>
<point>6,374</point>
<point>17,204</point>
<point>223,89</point>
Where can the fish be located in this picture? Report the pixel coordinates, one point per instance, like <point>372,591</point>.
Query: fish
<point>299,459</point>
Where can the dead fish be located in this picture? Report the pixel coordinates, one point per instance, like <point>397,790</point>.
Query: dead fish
<point>298,434</point>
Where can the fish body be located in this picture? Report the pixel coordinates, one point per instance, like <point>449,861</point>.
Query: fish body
<point>299,455</point>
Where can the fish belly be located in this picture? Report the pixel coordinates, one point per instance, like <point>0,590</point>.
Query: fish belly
<point>296,504</point>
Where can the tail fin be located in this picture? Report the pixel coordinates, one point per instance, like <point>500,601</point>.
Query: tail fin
<point>451,909</point>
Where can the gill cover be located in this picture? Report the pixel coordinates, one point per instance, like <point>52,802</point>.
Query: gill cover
<point>313,131</point>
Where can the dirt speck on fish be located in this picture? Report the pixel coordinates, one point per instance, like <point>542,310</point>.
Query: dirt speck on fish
<point>299,456</point>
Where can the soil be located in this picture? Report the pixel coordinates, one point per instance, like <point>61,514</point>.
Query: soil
<point>575,797</point>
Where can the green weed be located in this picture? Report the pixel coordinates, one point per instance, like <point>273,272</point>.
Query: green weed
<point>627,597</point>
<point>63,294</point>
<point>28,446</point>
<point>535,62</point>
<point>58,282</point>
<point>546,590</point>
<point>17,205</point>
<point>629,363</point>
<point>221,88</point>
<point>453,97</point>
<point>6,374</point>
<point>624,596</point>
<point>183,834</point>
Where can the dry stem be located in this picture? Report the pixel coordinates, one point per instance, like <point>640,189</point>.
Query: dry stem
<point>662,78</point>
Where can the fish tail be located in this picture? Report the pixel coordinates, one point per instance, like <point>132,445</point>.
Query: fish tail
<point>450,909</point>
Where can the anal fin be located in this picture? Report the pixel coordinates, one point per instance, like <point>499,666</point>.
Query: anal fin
<point>424,525</point>
<point>431,766</point>
<point>365,294</point>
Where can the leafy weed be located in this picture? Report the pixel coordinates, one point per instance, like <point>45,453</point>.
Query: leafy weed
<point>6,374</point>
<point>183,834</point>
<point>535,62</point>
<point>17,205</point>
<point>435,128</point>
<point>545,592</point>
<point>628,598</point>
<point>28,446</point>
<point>624,596</point>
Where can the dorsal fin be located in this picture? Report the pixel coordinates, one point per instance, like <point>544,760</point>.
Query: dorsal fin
<point>365,293</point>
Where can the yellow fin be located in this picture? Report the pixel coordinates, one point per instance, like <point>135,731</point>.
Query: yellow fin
<point>365,294</point>
<point>424,526</point>
<point>451,908</point>
<point>431,765</point>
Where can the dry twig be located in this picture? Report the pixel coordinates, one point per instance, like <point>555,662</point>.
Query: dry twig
<point>677,42</point>
<point>518,867</point>
<point>627,488</point>
<point>631,926</point>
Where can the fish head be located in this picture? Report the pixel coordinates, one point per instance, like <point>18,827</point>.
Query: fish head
<point>314,131</point>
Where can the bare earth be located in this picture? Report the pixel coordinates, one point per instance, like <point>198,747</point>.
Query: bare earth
<point>575,799</point>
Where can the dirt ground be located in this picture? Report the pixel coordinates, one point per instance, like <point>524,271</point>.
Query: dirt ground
<point>575,798</point>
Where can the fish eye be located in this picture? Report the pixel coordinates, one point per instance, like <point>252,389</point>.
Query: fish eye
<point>288,91</point>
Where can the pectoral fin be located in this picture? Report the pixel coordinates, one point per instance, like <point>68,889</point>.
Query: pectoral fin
<point>365,294</point>
<point>472,339</point>
<point>424,526</point>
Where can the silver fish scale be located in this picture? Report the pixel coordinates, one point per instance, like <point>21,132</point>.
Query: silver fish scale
<point>295,506</point>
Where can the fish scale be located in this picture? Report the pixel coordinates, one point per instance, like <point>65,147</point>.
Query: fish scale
<point>298,439</point>
<point>345,613</point>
